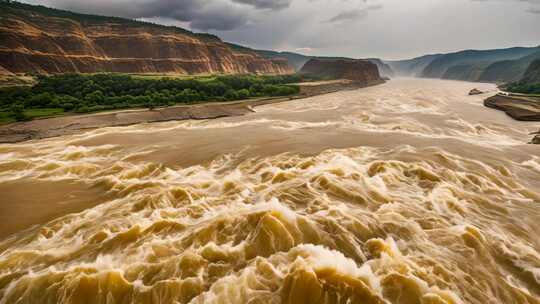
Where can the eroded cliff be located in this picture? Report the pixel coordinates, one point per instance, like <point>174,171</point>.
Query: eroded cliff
<point>42,40</point>
<point>361,72</point>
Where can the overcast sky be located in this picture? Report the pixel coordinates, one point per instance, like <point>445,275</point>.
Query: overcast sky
<point>388,29</point>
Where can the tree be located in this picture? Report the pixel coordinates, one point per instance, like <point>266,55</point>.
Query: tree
<point>243,94</point>
<point>18,112</point>
<point>95,97</point>
<point>231,95</point>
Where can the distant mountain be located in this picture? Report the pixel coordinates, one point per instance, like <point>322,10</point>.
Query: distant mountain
<point>470,72</point>
<point>297,61</point>
<point>508,70</point>
<point>411,67</point>
<point>38,39</point>
<point>532,75</point>
<point>466,65</point>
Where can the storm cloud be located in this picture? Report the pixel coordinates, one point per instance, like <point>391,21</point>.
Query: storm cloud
<point>203,15</point>
<point>389,29</point>
<point>267,4</point>
<point>354,14</point>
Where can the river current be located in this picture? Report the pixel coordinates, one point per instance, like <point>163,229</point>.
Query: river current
<point>407,192</point>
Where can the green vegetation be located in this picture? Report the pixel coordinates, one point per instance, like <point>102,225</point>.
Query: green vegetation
<point>18,113</point>
<point>523,88</point>
<point>84,93</point>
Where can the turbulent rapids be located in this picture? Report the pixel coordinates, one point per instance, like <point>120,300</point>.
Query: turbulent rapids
<point>408,192</point>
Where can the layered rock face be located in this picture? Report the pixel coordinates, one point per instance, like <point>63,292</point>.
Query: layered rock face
<point>361,72</point>
<point>41,40</point>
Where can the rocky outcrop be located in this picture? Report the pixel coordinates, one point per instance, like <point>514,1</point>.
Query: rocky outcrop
<point>475,92</point>
<point>36,39</point>
<point>519,108</point>
<point>384,69</point>
<point>361,72</point>
<point>536,138</point>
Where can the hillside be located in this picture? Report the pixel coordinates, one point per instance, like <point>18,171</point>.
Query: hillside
<point>295,60</point>
<point>469,72</point>
<point>36,39</point>
<point>532,75</point>
<point>474,59</point>
<point>508,70</point>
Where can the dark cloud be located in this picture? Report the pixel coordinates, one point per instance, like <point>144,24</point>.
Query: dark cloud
<point>354,14</point>
<point>221,15</point>
<point>329,27</point>
<point>266,4</point>
<point>350,15</point>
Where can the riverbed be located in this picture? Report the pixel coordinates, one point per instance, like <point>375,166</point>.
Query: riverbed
<point>406,192</point>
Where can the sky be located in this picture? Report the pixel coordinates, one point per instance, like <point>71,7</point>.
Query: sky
<point>388,29</point>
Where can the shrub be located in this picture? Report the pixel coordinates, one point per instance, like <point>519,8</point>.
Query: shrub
<point>18,112</point>
<point>231,95</point>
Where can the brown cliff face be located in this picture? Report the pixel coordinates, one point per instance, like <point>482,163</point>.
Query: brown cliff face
<point>37,39</point>
<point>361,72</point>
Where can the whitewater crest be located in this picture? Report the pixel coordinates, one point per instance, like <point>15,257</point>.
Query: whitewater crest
<point>359,225</point>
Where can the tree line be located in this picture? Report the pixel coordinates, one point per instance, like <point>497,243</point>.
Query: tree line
<point>524,88</point>
<point>85,93</point>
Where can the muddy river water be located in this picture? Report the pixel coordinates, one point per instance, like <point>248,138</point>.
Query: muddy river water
<point>406,192</point>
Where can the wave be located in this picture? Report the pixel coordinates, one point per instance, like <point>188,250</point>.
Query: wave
<point>360,225</point>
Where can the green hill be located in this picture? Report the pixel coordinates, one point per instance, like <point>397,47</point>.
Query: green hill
<point>508,70</point>
<point>532,75</point>
<point>475,58</point>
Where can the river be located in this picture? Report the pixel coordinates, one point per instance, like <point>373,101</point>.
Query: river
<point>407,192</point>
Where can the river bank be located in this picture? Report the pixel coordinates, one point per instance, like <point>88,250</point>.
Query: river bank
<point>72,124</point>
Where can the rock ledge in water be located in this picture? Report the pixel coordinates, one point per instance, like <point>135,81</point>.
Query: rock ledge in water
<point>536,139</point>
<point>519,108</point>
<point>475,92</point>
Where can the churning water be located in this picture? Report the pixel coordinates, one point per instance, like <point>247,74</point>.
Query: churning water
<point>408,192</point>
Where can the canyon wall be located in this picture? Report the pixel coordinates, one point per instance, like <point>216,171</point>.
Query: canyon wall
<point>361,72</point>
<point>35,39</point>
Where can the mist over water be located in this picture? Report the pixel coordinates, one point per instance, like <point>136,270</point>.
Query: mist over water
<point>407,192</point>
